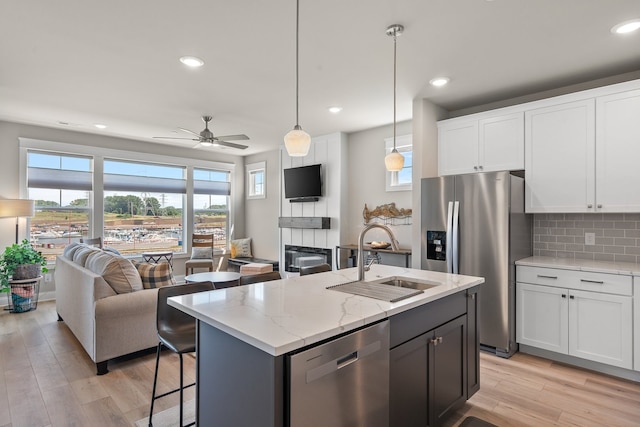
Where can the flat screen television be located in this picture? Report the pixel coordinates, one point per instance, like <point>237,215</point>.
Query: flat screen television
<point>303,183</point>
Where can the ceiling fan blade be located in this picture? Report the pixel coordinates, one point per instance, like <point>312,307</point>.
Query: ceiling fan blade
<point>233,138</point>
<point>189,131</point>
<point>230,144</point>
<point>175,137</point>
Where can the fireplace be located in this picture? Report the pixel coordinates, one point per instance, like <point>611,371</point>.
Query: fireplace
<point>304,256</point>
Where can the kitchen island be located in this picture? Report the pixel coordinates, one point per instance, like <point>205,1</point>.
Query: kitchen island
<point>247,334</point>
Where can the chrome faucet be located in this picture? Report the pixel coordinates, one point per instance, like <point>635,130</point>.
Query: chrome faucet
<point>394,244</point>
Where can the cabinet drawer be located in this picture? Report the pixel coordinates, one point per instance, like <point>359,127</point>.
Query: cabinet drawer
<point>575,279</point>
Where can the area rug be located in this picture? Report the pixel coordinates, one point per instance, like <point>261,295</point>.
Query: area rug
<point>468,422</point>
<point>169,417</point>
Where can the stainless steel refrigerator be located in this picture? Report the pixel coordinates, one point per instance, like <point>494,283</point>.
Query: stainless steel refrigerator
<point>475,225</point>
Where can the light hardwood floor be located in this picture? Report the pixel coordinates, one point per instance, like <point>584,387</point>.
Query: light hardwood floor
<point>48,380</point>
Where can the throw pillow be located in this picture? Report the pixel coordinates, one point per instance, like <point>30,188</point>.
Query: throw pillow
<point>82,253</point>
<point>201,253</point>
<point>70,249</point>
<point>241,248</point>
<point>155,275</point>
<point>117,271</point>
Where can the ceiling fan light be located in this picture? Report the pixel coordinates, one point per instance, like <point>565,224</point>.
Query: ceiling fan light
<point>192,61</point>
<point>297,142</point>
<point>206,143</point>
<point>394,161</point>
<point>626,27</point>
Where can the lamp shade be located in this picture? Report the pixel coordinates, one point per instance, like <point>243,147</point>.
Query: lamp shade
<point>16,208</point>
<point>394,161</point>
<point>297,142</point>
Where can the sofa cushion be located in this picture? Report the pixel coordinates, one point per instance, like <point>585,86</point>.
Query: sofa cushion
<point>82,253</point>
<point>241,248</point>
<point>71,249</point>
<point>117,271</point>
<point>155,275</point>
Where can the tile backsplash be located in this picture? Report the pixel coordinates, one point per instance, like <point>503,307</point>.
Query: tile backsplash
<point>563,236</point>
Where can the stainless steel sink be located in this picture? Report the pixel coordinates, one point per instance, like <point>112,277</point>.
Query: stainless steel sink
<point>408,282</point>
<point>392,289</point>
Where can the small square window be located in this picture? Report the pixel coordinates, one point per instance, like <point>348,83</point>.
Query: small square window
<point>256,181</point>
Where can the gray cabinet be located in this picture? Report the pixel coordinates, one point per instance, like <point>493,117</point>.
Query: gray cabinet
<point>429,373</point>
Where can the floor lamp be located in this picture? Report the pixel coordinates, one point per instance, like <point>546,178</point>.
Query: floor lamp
<point>16,208</point>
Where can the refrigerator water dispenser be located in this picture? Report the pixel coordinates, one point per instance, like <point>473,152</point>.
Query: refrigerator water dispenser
<point>437,245</point>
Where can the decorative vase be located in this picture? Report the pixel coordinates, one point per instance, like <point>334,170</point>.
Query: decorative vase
<point>26,271</point>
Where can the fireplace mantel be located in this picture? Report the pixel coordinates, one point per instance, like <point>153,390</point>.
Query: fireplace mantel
<point>319,222</point>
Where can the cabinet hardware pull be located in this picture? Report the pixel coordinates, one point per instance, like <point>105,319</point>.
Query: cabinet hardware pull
<point>589,205</point>
<point>599,282</point>
<point>434,341</point>
<point>564,295</point>
<point>571,297</point>
<point>547,277</point>
<point>599,206</point>
<point>472,296</point>
<point>480,167</point>
<point>475,168</point>
<point>439,340</point>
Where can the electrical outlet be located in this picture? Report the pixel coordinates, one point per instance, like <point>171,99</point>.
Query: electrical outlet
<point>590,239</point>
<point>47,277</point>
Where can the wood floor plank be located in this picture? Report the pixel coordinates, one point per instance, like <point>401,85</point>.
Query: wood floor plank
<point>25,400</point>
<point>63,408</point>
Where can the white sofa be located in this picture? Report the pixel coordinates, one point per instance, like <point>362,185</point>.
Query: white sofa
<point>107,324</point>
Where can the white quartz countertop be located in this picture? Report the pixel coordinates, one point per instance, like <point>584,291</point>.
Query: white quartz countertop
<point>626,268</point>
<point>283,315</point>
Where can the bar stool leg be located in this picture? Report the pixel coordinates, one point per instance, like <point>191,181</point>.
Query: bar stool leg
<point>155,382</point>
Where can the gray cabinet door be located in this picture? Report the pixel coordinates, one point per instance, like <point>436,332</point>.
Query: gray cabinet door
<point>408,381</point>
<point>473,343</point>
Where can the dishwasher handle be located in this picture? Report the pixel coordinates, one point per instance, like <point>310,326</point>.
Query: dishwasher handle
<point>342,362</point>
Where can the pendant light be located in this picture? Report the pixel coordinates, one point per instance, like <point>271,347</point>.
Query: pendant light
<point>297,141</point>
<point>394,161</point>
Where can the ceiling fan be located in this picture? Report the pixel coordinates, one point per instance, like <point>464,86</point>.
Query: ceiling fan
<point>206,138</point>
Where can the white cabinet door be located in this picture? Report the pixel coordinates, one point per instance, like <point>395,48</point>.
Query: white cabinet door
<point>501,143</point>
<point>600,328</point>
<point>636,324</point>
<point>457,147</point>
<point>559,158</point>
<point>542,317</point>
<point>618,152</point>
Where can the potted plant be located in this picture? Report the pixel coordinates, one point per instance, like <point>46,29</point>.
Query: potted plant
<point>20,261</point>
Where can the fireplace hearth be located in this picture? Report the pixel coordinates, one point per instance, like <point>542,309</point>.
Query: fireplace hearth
<point>304,256</point>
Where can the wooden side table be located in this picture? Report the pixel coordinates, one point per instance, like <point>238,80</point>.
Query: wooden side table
<point>157,257</point>
<point>24,295</point>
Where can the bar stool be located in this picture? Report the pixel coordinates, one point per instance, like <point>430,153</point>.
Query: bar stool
<point>177,332</point>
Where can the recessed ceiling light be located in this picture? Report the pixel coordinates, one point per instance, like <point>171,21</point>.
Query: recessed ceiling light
<point>192,61</point>
<point>100,126</point>
<point>626,27</point>
<point>439,81</point>
<point>335,110</point>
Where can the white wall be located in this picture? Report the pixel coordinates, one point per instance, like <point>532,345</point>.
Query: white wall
<point>366,183</point>
<point>261,215</point>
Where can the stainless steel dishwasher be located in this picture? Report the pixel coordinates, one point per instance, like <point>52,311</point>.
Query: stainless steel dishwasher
<point>344,382</point>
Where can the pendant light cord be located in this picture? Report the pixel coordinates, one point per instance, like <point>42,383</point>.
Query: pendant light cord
<point>394,90</point>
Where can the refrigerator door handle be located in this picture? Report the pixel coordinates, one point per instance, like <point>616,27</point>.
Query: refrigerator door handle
<point>456,230</point>
<point>449,250</point>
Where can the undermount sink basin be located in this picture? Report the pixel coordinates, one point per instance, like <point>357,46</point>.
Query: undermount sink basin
<point>407,282</point>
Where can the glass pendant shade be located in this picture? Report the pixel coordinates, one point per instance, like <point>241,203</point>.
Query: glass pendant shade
<point>297,142</point>
<point>394,161</point>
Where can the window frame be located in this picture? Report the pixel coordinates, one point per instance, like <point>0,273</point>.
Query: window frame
<point>99,154</point>
<point>404,143</point>
<point>251,170</point>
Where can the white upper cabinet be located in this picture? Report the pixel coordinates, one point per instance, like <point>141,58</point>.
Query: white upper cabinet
<point>481,143</point>
<point>618,152</point>
<point>559,159</point>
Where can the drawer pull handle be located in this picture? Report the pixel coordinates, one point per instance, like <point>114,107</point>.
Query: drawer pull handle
<point>599,282</point>
<point>564,295</point>
<point>547,277</point>
<point>571,297</point>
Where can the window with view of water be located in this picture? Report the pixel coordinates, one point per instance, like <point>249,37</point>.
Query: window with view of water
<point>143,206</point>
<point>211,189</point>
<point>61,186</point>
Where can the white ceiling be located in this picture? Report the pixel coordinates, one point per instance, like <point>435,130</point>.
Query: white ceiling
<point>116,62</point>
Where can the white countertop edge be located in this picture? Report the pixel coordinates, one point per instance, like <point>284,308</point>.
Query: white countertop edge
<point>378,310</point>
<point>622,268</point>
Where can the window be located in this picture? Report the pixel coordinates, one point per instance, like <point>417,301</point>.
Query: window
<point>211,199</point>
<point>143,206</point>
<point>256,181</point>
<point>401,180</point>
<point>61,186</point>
